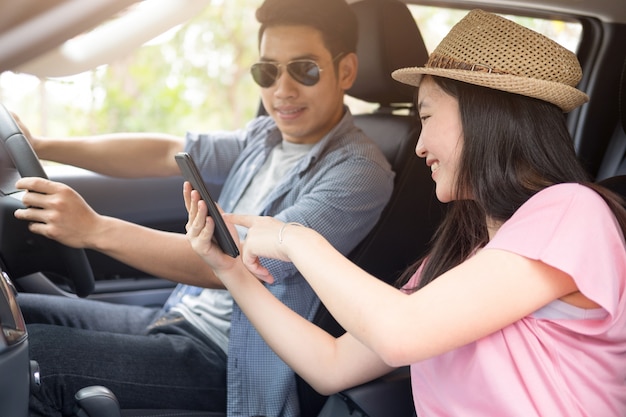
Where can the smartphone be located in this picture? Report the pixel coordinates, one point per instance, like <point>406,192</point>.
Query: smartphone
<point>192,174</point>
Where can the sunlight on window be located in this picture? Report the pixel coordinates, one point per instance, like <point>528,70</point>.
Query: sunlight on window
<point>193,77</point>
<point>436,22</point>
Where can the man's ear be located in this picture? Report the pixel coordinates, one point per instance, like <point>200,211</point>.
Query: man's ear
<point>347,70</point>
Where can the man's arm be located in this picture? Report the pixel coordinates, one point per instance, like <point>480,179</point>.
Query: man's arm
<point>61,214</point>
<point>163,254</point>
<point>130,155</point>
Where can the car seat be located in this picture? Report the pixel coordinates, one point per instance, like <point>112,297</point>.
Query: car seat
<point>388,39</point>
<point>614,161</point>
<point>612,174</point>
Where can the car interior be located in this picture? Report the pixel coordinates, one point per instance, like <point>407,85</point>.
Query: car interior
<point>401,235</point>
<point>413,205</point>
<point>69,264</point>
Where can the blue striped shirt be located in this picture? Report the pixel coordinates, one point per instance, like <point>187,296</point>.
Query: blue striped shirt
<point>339,188</point>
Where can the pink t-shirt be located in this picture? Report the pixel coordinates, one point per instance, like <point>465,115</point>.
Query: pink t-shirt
<point>561,360</point>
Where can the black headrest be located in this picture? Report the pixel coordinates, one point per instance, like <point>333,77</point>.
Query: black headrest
<point>388,39</point>
<point>622,97</point>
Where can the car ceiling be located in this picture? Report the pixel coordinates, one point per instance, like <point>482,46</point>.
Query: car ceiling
<point>33,32</point>
<point>29,28</point>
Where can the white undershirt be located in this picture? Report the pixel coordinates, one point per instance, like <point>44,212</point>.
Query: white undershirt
<point>283,157</point>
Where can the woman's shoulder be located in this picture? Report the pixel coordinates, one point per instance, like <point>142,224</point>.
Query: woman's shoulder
<point>575,195</point>
<point>568,209</point>
<point>567,188</point>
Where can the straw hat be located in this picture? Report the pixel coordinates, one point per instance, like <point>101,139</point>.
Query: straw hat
<point>488,50</point>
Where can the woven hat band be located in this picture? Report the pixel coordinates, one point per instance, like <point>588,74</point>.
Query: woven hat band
<point>445,62</point>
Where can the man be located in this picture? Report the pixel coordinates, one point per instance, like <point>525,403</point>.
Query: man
<point>306,162</point>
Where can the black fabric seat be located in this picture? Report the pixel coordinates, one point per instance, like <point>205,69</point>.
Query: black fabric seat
<point>614,161</point>
<point>408,221</point>
<point>612,173</point>
<point>389,39</point>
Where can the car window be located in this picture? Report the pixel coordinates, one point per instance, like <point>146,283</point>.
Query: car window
<point>192,77</point>
<point>435,22</point>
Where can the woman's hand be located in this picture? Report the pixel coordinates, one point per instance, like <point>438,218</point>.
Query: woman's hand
<point>268,238</point>
<point>200,227</point>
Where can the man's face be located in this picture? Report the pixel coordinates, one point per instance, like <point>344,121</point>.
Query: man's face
<point>304,114</point>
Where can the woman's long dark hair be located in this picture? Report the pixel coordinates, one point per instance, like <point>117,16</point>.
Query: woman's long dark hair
<point>514,146</point>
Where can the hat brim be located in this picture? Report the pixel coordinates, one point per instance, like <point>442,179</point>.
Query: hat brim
<point>562,95</point>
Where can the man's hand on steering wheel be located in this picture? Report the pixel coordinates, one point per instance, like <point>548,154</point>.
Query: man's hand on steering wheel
<point>56,211</point>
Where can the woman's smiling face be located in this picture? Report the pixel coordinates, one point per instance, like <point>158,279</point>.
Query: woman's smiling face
<point>441,139</point>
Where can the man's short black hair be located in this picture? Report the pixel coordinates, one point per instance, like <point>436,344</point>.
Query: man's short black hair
<point>335,19</point>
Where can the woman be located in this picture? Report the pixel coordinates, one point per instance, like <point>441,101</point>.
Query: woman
<point>520,306</point>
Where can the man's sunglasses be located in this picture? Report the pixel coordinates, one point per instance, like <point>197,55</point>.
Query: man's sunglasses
<point>305,71</point>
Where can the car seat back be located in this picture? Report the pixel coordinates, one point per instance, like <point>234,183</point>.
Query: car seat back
<point>388,39</point>
<point>613,171</point>
<point>614,161</point>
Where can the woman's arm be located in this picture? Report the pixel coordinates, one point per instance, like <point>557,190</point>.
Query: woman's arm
<point>329,364</point>
<point>484,294</point>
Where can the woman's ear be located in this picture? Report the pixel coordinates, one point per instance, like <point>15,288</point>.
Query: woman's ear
<point>347,70</point>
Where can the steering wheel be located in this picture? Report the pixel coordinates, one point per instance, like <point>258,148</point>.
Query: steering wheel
<point>22,251</point>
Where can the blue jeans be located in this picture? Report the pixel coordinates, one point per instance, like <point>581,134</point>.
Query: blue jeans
<point>148,360</point>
